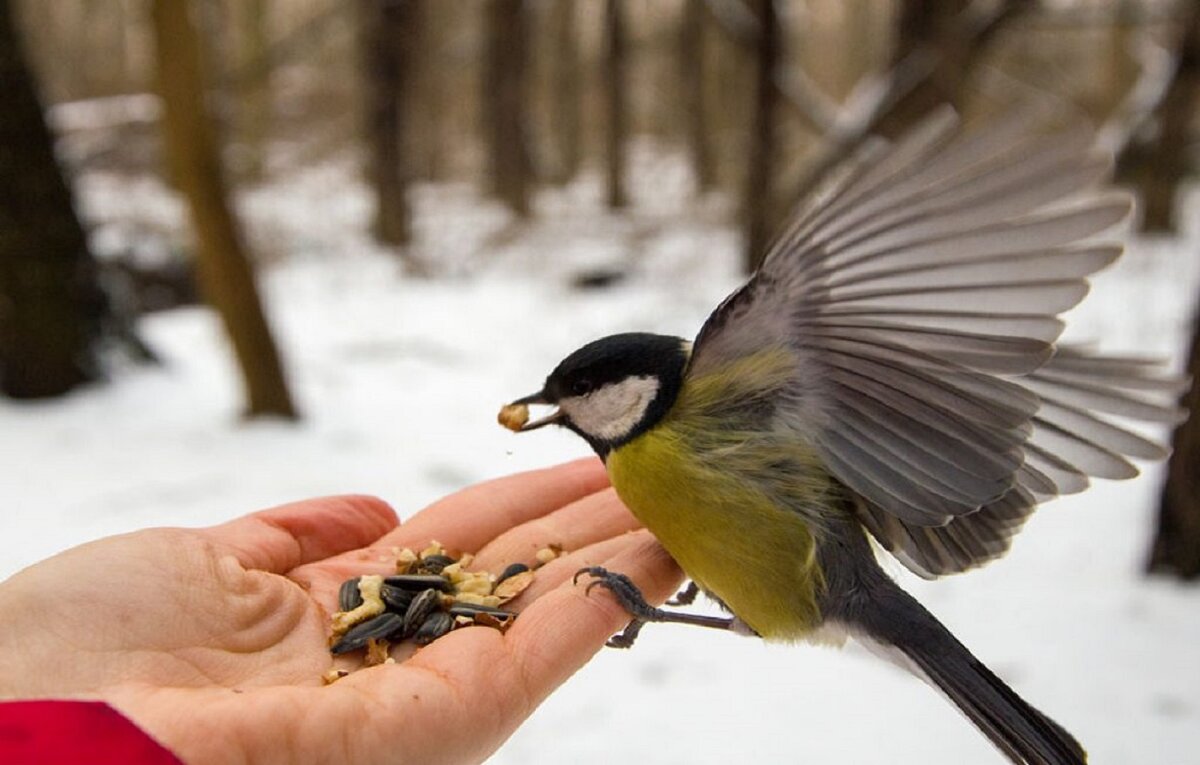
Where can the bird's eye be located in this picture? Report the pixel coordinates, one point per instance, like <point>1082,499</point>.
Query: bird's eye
<point>581,387</point>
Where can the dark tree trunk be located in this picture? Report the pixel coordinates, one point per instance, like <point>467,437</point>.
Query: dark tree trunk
<point>225,273</point>
<point>1166,163</point>
<point>615,95</point>
<point>1176,547</point>
<point>958,35</point>
<point>254,104</point>
<point>759,201</point>
<point>504,101</point>
<point>50,306</point>
<point>389,38</point>
<point>566,90</point>
<point>928,24</point>
<point>691,57</point>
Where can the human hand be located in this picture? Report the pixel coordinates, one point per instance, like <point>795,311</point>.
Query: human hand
<point>214,640</point>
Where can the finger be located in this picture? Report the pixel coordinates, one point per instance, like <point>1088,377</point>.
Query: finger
<point>479,513</point>
<point>565,625</point>
<point>585,521</point>
<point>469,519</point>
<point>481,680</point>
<point>284,537</point>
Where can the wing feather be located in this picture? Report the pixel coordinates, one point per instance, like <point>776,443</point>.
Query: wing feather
<point>919,295</point>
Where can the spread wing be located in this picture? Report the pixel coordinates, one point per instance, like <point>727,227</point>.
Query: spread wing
<point>919,296</point>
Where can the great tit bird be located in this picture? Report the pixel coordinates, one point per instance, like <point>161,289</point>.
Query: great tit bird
<point>892,373</point>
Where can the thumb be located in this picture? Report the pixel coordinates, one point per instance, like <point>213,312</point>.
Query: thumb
<point>282,538</point>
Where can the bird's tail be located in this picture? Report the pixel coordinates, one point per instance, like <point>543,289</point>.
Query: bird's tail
<point>896,622</point>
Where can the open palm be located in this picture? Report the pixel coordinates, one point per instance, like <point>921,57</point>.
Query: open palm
<point>214,640</point>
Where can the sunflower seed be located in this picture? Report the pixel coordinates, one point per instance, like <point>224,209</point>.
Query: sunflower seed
<point>433,564</point>
<point>349,598</point>
<point>435,625</point>
<point>417,582</point>
<point>472,610</point>
<point>381,627</point>
<point>397,599</point>
<point>512,570</point>
<point>477,599</point>
<point>420,608</point>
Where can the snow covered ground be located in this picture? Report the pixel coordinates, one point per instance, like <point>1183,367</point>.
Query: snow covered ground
<point>399,380</point>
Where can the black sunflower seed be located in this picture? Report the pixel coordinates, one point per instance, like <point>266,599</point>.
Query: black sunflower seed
<point>383,627</point>
<point>417,582</point>
<point>349,598</point>
<point>433,564</point>
<point>397,599</point>
<point>435,625</point>
<point>421,607</point>
<point>512,570</point>
<point>472,609</point>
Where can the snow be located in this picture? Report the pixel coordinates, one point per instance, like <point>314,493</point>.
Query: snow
<point>399,379</point>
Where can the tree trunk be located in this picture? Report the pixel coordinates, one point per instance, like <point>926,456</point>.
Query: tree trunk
<point>1166,165</point>
<point>1176,547</point>
<point>226,276</point>
<point>691,57</point>
<point>759,201</point>
<point>504,100</point>
<point>928,24</point>
<point>255,103</point>
<point>50,305</point>
<point>388,43</point>
<point>615,93</point>
<point>566,90</point>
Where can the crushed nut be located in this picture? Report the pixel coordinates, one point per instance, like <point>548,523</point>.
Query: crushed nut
<point>372,605</point>
<point>377,652</point>
<point>513,586</point>
<point>547,554</point>
<point>333,675</point>
<point>513,416</point>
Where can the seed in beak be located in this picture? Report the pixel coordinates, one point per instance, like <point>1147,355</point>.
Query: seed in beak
<point>514,416</point>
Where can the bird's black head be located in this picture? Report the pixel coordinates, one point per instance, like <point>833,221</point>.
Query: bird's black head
<point>614,389</point>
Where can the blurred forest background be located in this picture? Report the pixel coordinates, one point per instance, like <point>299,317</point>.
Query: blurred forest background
<point>501,103</point>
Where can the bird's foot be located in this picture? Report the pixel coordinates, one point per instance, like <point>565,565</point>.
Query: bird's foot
<point>631,599</point>
<point>686,596</point>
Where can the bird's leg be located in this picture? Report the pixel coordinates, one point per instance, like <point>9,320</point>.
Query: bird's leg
<point>686,596</point>
<point>632,600</point>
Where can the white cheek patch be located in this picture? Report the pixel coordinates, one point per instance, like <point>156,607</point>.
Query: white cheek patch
<point>614,410</point>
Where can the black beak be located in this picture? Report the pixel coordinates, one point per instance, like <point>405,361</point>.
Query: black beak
<point>538,398</point>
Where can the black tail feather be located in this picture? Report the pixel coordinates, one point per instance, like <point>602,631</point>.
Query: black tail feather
<point>1026,736</point>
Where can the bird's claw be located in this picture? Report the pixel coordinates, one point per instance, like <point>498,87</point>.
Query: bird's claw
<point>628,596</point>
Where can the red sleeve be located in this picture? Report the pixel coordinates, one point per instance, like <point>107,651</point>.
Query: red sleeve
<point>54,732</point>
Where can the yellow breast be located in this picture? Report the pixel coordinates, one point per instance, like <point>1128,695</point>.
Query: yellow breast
<point>724,505</point>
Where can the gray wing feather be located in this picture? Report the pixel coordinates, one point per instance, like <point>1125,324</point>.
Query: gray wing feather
<point>1067,446</point>
<point>919,295</point>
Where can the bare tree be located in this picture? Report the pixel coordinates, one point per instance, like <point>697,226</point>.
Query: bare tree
<point>1176,546</point>
<point>389,39</point>
<point>759,201</point>
<point>566,90</point>
<point>1158,166</point>
<point>615,96</point>
<point>226,276</point>
<point>504,100</point>
<point>254,106</point>
<point>691,60</point>
<point>910,83</point>
<point>50,306</point>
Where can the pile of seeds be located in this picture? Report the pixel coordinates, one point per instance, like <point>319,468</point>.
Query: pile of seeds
<point>430,594</point>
